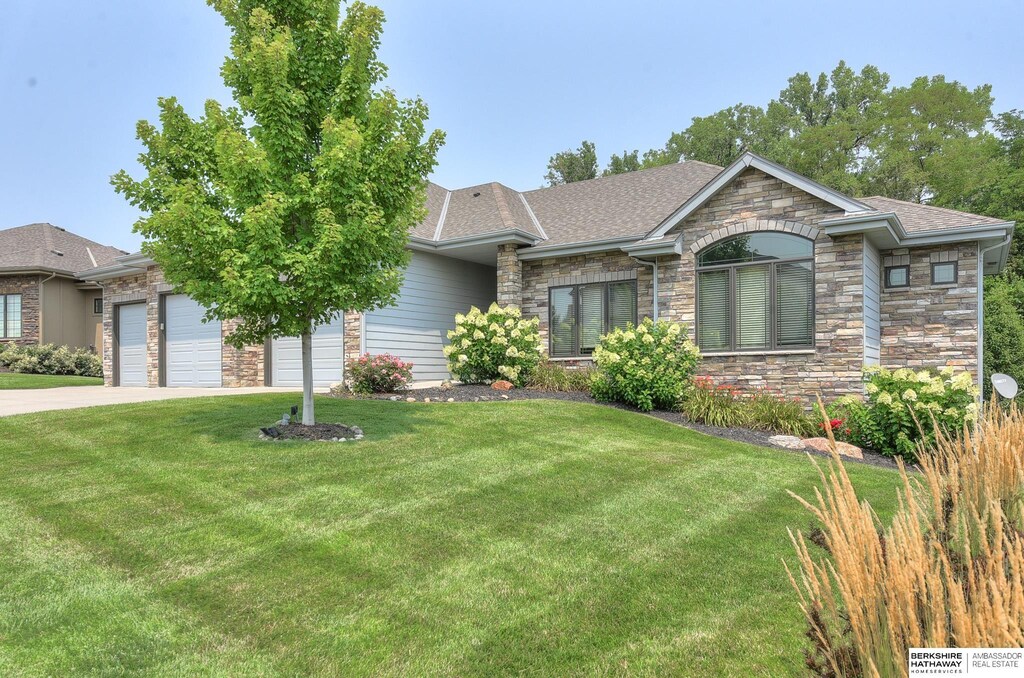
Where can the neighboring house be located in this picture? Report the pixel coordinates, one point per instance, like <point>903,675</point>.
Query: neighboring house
<point>784,283</point>
<point>42,300</point>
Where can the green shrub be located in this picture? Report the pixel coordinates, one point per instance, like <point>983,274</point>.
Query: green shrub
<point>498,344</point>
<point>50,359</point>
<point>378,373</point>
<point>648,366</point>
<point>549,376</point>
<point>711,405</point>
<point>777,414</point>
<point>895,398</point>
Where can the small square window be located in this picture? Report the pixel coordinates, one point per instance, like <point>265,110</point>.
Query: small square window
<point>897,276</point>
<point>944,273</point>
<point>97,305</point>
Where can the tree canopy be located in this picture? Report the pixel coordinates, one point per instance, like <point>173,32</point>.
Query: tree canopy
<point>568,166</point>
<point>294,204</point>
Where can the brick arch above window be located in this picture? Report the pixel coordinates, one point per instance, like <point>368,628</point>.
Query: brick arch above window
<point>752,226</point>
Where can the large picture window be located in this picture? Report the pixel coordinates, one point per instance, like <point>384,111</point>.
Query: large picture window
<point>756,292</point>
<point>10,316</point>
<point>579,314</point>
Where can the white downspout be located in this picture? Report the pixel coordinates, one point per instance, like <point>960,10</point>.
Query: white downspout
<point>654,290</point>
<point>981,312</point>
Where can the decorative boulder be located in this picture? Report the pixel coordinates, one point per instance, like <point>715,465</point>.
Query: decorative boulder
<point>502,385</point>
<point>823,445</point>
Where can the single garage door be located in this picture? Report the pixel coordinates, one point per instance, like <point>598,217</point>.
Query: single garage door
<point>131,345</point>
<point>192,348</point>
<point>328,357</point>
<point>416,328</point>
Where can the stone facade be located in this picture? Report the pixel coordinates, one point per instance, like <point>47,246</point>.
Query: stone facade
<point>753,201</point>
<point>541,274</point>
<point>28,287</point>
<point>926,324</point>
<point>510,276</point>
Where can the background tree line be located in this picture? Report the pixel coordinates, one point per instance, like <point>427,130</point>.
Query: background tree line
<point>933,141</point>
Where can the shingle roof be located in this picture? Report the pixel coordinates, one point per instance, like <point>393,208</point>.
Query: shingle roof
<point>619,206</point>
<point>47,247</point>
<point>917,218</point>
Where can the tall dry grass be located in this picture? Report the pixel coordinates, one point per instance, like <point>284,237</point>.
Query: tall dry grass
<point>948,571</point>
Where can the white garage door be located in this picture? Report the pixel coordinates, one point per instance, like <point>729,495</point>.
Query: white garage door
<point>416,328</point>
<point>131,345</point>
<point>192,348</point>
<point>328,357</point>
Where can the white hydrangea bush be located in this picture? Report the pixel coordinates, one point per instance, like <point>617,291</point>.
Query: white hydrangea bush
<point>648,366</point>
<point>491,345</point>
<point>885,421</point>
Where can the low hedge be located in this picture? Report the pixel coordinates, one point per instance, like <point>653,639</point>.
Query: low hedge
<point>50,359</point>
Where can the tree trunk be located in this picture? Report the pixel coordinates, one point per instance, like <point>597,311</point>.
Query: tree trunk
<point>307,378</point>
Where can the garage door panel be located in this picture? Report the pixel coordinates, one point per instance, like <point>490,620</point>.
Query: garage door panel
<point>131,345</point>
<point>192,348</point>
<point>328,357</point>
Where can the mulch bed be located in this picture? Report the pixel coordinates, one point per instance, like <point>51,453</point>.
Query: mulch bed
<point>481,393</point>
<point>323,432</point>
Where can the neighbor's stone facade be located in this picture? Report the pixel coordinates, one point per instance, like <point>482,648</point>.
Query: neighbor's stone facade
<point>28,287</point>
<point>926,324</point>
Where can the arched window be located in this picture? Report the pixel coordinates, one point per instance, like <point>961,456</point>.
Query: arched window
<point>756,292</point>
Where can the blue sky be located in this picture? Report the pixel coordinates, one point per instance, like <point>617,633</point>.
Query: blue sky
<point>511,82</point>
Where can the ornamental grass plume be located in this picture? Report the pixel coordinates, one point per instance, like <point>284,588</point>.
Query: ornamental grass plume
<point>948,571</point>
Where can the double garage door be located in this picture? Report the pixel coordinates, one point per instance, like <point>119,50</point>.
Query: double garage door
<point>193,349</point>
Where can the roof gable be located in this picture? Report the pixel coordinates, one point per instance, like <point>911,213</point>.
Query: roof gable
<point>726,177</point>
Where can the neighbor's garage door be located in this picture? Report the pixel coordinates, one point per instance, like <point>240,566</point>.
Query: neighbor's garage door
<point>328,357</point>
<point>131,345</point>
<point>416,328</point>
<point>192,348</point>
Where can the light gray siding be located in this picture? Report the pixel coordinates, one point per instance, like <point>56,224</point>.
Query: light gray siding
<point>416,328</point>
<point>872,306</point>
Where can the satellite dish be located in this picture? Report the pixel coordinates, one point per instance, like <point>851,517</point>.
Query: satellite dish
<point>1004,385</point>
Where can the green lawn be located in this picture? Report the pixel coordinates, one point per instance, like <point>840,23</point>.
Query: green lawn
<point>528,537</point>
<point>11,380</point>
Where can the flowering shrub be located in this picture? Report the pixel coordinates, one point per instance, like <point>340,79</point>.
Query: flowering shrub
<point>498,344</point>
<point>378,373</point>
<point>886,420</point>
<point>646,366</point>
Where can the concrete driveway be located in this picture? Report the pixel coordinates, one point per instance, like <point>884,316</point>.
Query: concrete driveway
<point>22,401</point>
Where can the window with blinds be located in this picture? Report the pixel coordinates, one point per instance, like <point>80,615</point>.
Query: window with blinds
<point>756,292</point>
<point>579,314</point>
<point>10,316</point>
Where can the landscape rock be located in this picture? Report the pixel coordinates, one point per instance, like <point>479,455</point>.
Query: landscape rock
<point>451,400</point>
<point>395,398</point>
<point>410,399</point>
<point>823,445</point>
<point>426,400</point>
<point>502,385</point>
<point>789,442</point>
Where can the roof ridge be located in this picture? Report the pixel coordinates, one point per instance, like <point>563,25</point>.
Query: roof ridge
<point>504,211</point>
<point>614,177</point>
<point>937,208</point>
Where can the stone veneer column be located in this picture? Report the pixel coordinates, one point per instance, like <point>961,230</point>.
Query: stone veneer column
<point>353,338</point>
<point>510,276</point>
